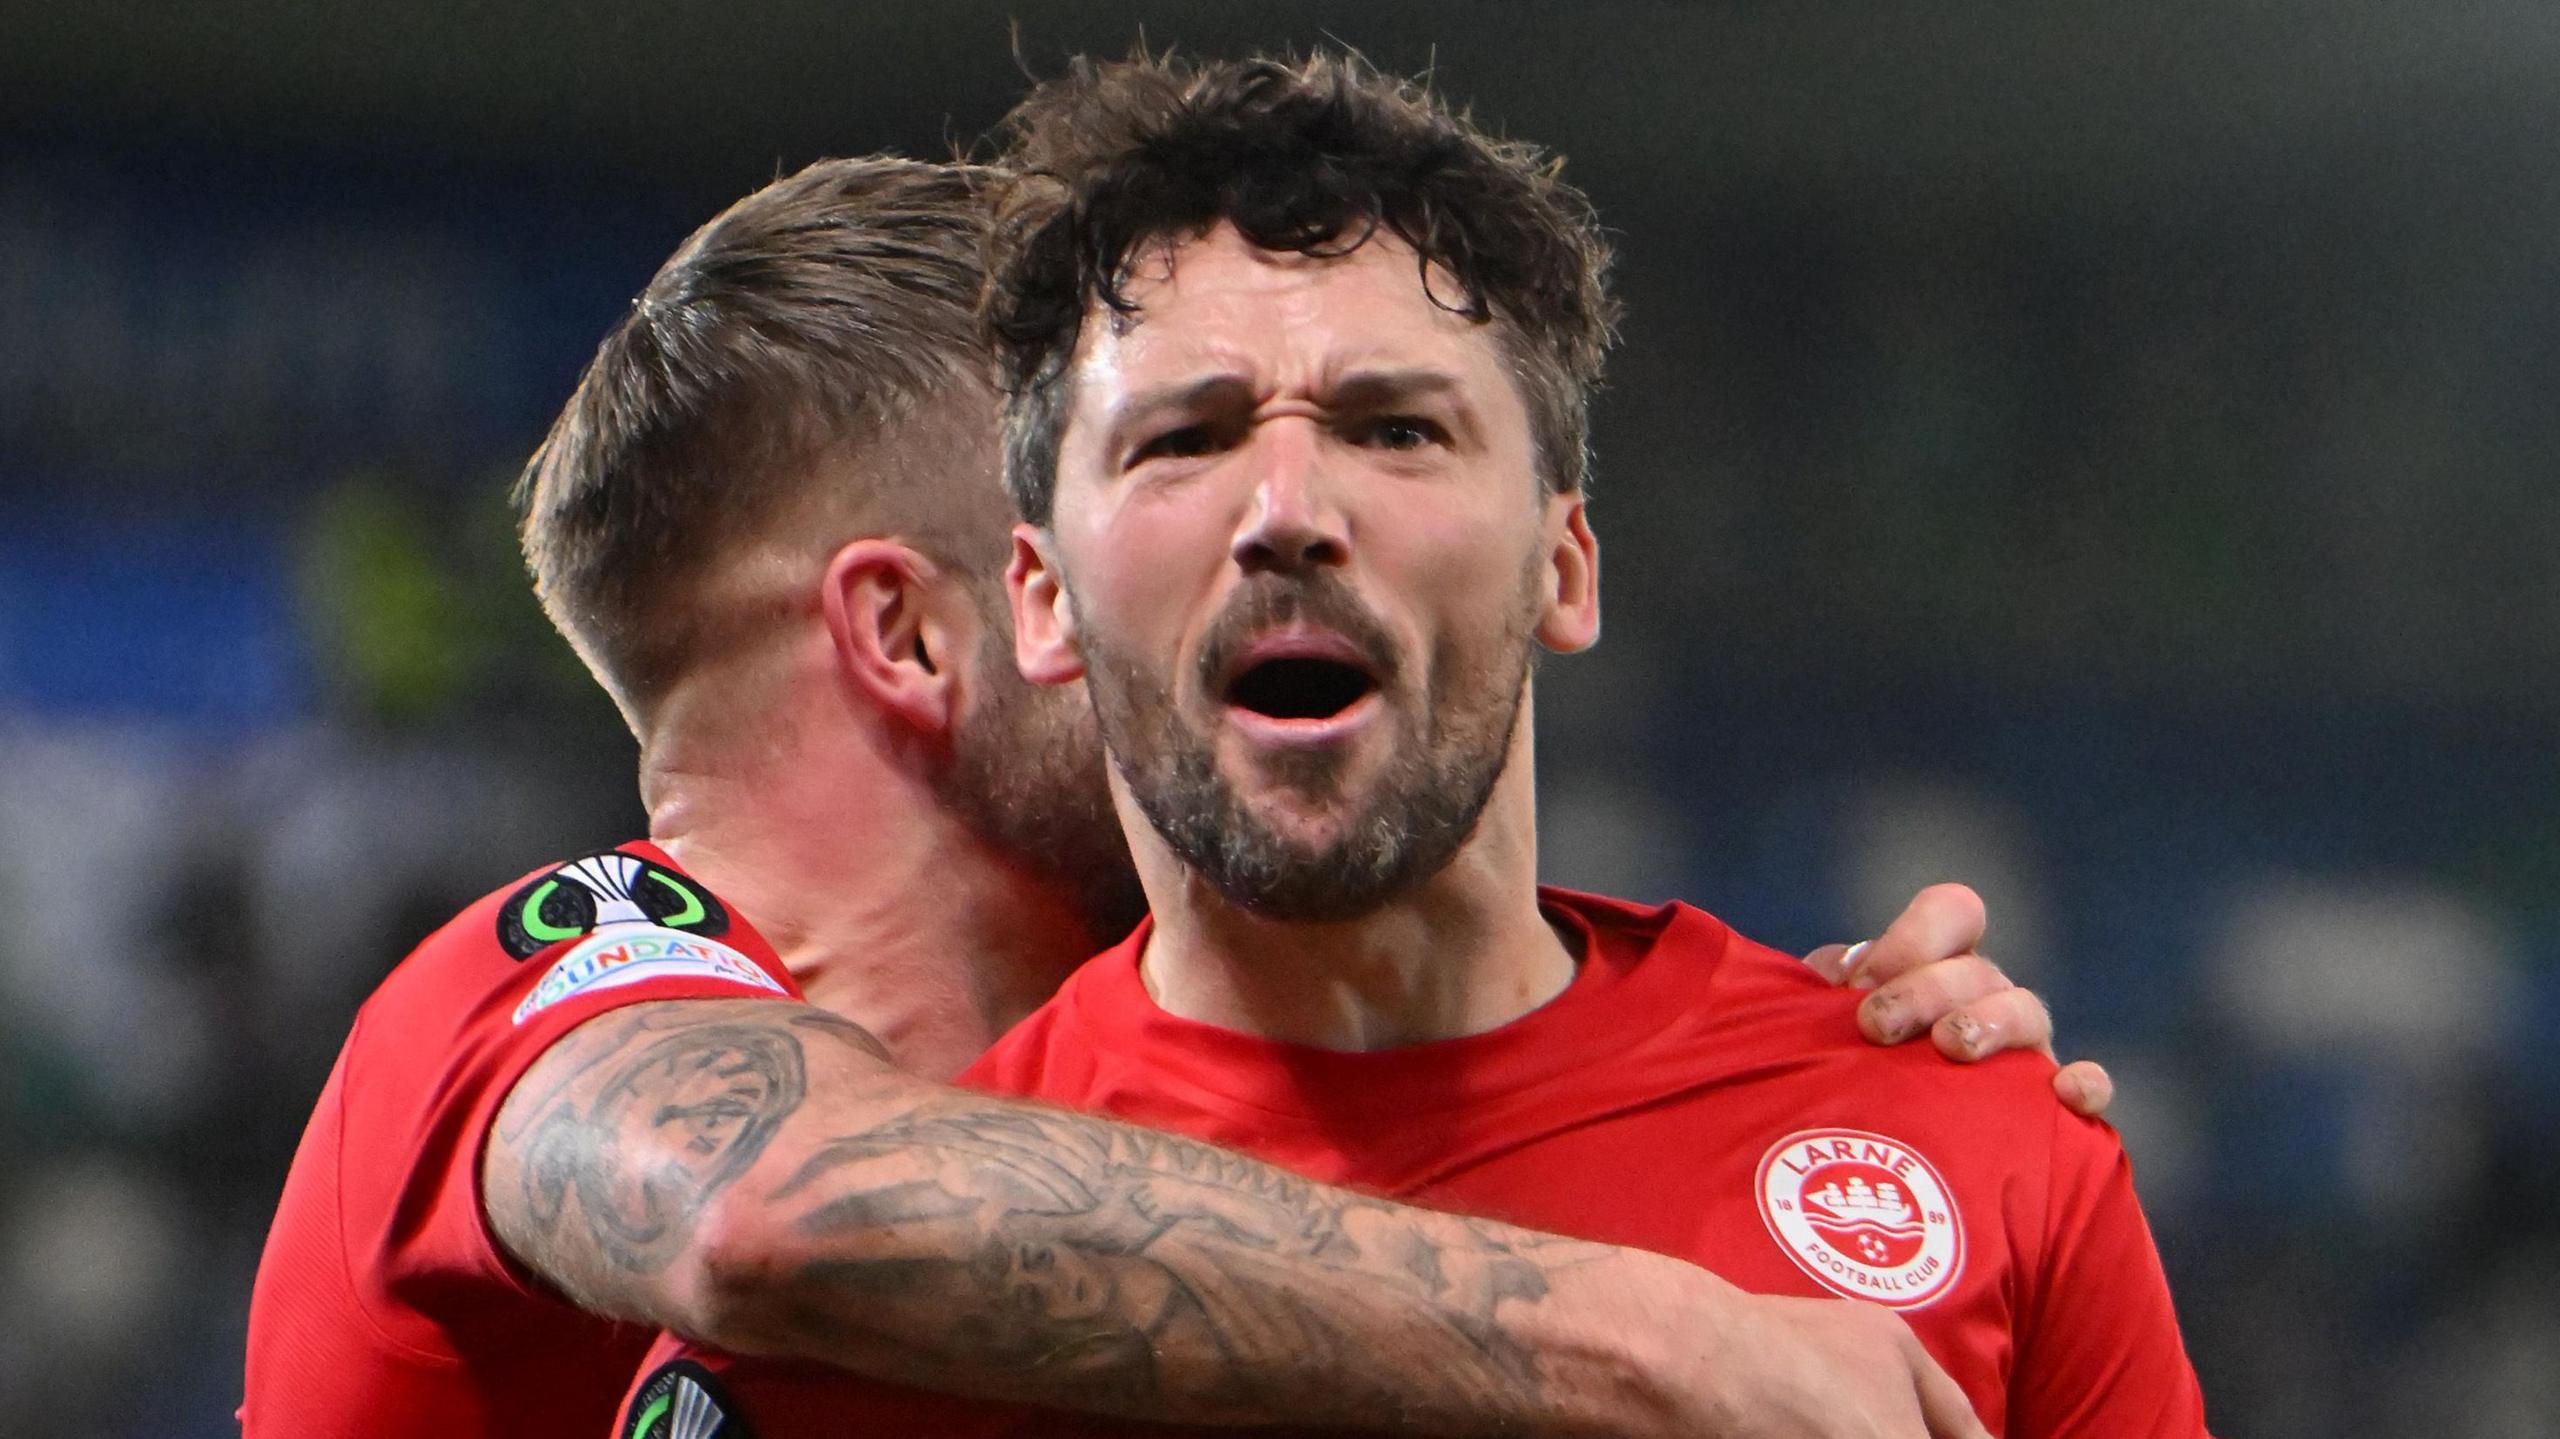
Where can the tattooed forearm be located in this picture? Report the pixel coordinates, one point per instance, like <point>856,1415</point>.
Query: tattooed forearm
<point>999,1249</point>
<point>605,1157</point>
<point>672,1125</point>
<point>1066,1258</point>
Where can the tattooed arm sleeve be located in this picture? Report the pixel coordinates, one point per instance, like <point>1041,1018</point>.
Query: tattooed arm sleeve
<point>757,1175</point>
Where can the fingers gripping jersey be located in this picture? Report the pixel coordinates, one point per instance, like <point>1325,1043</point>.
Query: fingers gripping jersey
<point>383,1305</point>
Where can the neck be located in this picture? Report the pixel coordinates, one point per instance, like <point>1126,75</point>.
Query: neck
<point>886,910</point>
<point>1466,952</point>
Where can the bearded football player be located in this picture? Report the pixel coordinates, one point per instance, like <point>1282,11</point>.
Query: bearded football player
<point>770,521</point>
<point>1298,371</point>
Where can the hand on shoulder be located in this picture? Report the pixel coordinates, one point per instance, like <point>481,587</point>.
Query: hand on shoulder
<point>1926,975</point>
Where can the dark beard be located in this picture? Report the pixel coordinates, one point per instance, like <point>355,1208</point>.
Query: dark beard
<point>1451,751</point>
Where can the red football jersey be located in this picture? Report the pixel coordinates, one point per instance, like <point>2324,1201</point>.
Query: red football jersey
<point>383,1305</point>
<point>1691,1093</point>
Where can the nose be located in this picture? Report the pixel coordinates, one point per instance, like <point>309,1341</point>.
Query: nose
<point>1292,523</point>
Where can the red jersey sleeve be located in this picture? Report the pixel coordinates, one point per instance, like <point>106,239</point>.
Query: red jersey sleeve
<point>383,1304</point>
<point>2098,1347</point>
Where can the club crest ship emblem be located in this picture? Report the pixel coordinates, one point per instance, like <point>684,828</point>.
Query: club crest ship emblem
<point>1865,1215</point>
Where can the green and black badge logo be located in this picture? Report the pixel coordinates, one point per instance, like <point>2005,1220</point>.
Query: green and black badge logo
<point>601,889</point>
<point>680,1400</point>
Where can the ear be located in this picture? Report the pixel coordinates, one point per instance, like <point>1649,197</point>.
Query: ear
<point>1569,616</point>
<point>893,641</point>
<point>1044,619</point>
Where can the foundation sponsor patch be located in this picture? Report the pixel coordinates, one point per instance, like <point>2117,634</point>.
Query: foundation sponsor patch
<point>621,954</point>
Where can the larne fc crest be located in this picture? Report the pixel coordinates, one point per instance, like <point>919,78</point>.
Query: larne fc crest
<point>1865,1215</point>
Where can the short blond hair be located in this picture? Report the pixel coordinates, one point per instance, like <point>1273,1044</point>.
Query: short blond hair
<point>808,321</point>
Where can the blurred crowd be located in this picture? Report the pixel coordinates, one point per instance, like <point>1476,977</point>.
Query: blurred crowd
<point>2169,571</point>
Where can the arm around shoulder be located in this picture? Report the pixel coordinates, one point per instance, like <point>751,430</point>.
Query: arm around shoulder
<point>756,1175</point>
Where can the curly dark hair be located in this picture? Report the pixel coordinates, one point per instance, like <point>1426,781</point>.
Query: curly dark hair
<point>1313,156</point>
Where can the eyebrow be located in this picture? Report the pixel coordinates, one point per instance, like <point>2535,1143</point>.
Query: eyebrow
<point>1373,389</point>
<point>1183,397</point>
<point>1358,390</point>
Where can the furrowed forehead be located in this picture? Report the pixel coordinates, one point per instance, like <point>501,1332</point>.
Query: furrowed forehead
<point>1217,304</point>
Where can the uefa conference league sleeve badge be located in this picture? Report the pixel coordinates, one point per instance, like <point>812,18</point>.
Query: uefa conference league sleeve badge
<point>633,920</point>
<point>680,1400</point>
<point>606,888</point>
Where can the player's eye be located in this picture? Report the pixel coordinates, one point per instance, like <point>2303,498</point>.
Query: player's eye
<point>1183,443</point>
<point>1399,432</point>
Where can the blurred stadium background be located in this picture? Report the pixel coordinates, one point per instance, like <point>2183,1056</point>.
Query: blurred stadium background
<point>2102,453</point>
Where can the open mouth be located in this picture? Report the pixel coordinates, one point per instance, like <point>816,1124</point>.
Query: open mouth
<point>1300,688</point>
